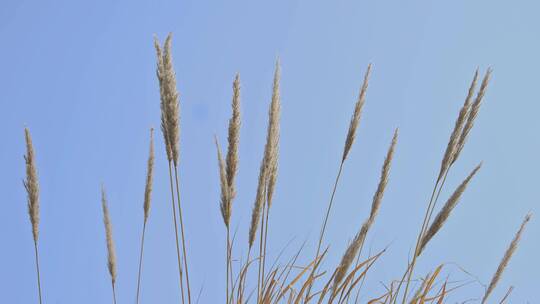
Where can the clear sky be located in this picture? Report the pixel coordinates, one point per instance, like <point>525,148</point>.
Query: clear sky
<point>81,76</point>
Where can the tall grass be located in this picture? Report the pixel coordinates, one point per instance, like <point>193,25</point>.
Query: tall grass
<point>286,280</point>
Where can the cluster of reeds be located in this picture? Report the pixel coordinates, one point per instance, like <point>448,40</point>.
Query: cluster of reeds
<point>290,282</point>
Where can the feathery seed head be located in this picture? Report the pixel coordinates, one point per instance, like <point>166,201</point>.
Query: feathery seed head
<point>269,163</point>
<point>170,108</point>
<point>349,255</point>
<point>443,215</point>
<point>385,172</point>
<point>355,119</point>
<point>149,177</point>
<point>225,204</point>
<point>233,139</point>
<point>360,237</point>
<point>506,258</point>
<point>450,155</point>
<point>111,252</point>
<point>31,185</point>
<point>474,109</point>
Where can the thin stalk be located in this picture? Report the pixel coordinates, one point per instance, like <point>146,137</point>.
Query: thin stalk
<point>176,233</point>
<point>113,293</point>
<point>140,261</point>
<point>265,238</point>
<point>423,231</point>
<point>330,203</point>
<point>329,208</point>
<point>424,225</point>
<point>260,279</point>
<point>37,270</point>
<point>182,233</point>
<point>227,262</point>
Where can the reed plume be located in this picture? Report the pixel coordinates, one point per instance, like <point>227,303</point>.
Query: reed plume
<point>170,116</point>
<point>462,128</point>
<point>111,253</point>
<point>170,108</point>
<point>225,207</point>
<point>228,170</point>
<point>506,258</point>
<point>351,135</point>
<point>233,138</point>
<point>451,149</point>
<point>268,164</point>
<point>269,158</point>
<point>31,185</point>
<point>355,119</point>
<point>475,108</point>
<point>225,194</point>
<point>146,205</point>
<point>355,246</point>
<point>444,213</point>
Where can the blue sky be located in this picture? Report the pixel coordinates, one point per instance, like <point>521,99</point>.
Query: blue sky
<point>81,76</point>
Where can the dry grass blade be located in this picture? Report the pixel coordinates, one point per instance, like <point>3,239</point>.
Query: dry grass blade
<point>111,252</point>
<point>443,215</point>
<point>340,287</point>
<point>450,153</point>
<point>506,258</point>
<point>355,119</point>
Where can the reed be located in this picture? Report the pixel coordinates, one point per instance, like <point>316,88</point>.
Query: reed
<point>506,259</point>
<point>463,126</point>
<point>355,247</point>
<point>31,184</point>
<point>349,140</point>
<point>445,211</point>
<point>146,205</point>
<point>291,282</point>
<point>268,164</point>
<point>111,252</point>
<point>170,127</point>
